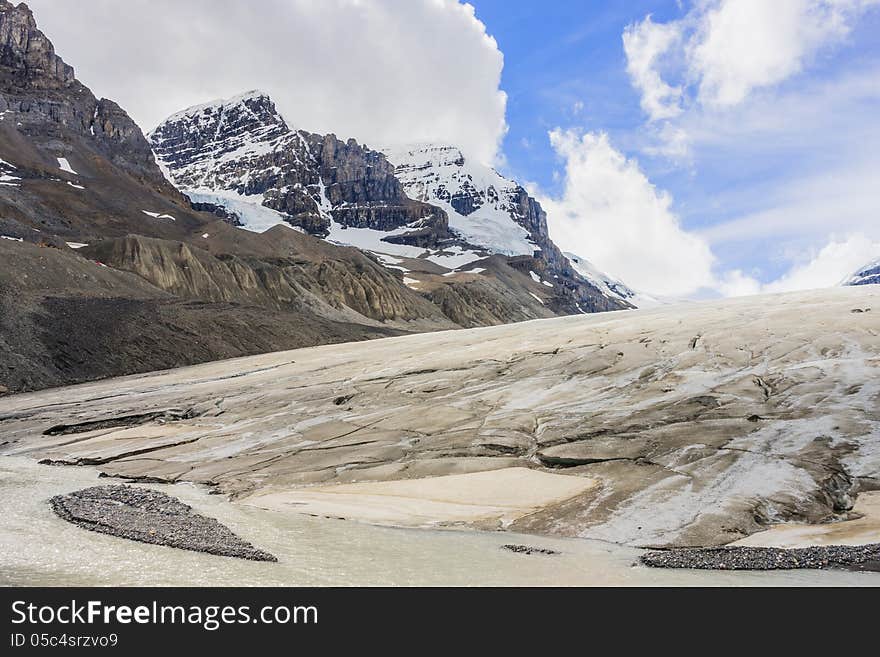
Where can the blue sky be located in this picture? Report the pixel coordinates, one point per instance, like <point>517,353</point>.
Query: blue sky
<point>557,55</point>
<point>565,67</point>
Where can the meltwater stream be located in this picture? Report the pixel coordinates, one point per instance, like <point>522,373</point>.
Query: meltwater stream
<point>37,548</point>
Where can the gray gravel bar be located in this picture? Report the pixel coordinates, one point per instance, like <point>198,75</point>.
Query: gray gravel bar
<point>849,557</point>
<point>150,516</point>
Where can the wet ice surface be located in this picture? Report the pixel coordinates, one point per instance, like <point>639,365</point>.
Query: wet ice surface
<point>38,548</point>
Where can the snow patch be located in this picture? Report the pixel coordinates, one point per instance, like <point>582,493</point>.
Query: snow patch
<point>156,215</point>
<point>64,165</point>
<point>254,216</point>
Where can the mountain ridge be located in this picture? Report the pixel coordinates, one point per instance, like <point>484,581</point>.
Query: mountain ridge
<point>241,154</point>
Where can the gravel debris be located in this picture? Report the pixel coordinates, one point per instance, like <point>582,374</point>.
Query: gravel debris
<point>849,557</point>
<point>150,516</point>
<point>528,549</point>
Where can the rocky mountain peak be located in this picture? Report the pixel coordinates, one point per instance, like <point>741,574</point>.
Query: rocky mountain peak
<point>251,110</point>
<point>27,52</point>
<point>241,154</point>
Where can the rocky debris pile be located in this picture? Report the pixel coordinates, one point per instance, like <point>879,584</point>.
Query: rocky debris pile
<point>850,557</point>
<point>149,516</point>
<point>528,549</point>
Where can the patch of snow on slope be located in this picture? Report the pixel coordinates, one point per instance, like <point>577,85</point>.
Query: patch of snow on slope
<point>10,238</point>
<point>609,285</point>
<point>250,210</point>
<point>371,240</point>
<point>64,165</point>
<point>157,215</point>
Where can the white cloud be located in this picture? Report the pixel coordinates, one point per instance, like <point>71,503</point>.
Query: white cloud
<point>835,262</point>
<point>358,69</point>
<point>735,283</point>
<point>826,267</point>
<point>745,44</point>
<point>722,50</point>
<point>611,213</point>
<point>644,44</point>
<point>800,157</point>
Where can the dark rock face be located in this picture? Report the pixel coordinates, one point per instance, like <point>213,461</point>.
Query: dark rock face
<point>27,51</point>
<point>41,93</point>
<point>149,516</point>
<point>219,211</point>
<point>243,145</point>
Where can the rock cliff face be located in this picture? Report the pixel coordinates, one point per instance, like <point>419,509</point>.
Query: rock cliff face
<point>242,148</point>
<point>40,95</point>
<point>27,51</point>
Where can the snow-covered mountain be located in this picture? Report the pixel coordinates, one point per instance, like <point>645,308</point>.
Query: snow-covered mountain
<point>867,275</point>
<point>240,153</point>
<point>484,208</point>
<point>423,210</point>
<point>610,285</point>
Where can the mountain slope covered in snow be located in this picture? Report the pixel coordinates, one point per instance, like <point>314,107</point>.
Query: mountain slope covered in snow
<point>867,275</point>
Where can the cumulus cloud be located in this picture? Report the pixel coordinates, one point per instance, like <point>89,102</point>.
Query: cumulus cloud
<point>610,213</point>
<point>644,43</point>
<point>724,49</point>
<point>741,45</point>
<point>361,69</point>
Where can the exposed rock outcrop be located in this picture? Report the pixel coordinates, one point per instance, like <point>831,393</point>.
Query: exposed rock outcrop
<point>27,51</point>
<point>348,289</point>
